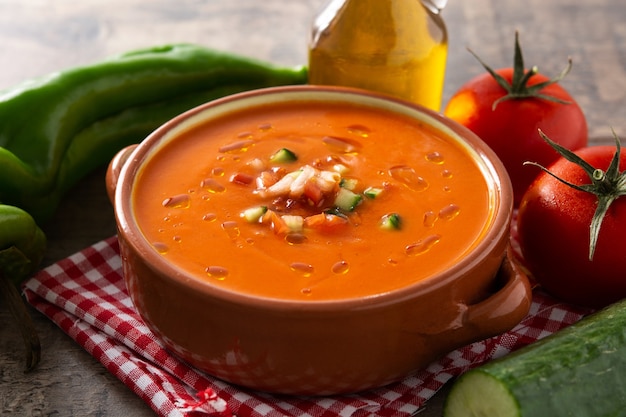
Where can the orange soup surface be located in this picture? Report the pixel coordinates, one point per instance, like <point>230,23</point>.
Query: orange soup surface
<point>312,201</point>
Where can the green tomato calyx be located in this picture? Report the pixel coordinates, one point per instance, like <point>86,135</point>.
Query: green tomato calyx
<point>518,88</point>
<point>607,185</point>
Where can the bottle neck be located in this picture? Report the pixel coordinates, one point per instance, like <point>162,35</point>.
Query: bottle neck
<point>387,22</point>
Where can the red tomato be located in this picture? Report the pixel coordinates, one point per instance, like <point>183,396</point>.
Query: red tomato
<point>511,130</point>
<point>553,225</point>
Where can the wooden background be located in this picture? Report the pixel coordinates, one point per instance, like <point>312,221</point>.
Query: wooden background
<point>40,36</point>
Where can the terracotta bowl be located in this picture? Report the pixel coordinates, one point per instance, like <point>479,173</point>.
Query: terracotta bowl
<point>321,347</point>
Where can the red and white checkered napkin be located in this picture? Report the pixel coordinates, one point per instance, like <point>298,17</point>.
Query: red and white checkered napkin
<point>85,296</point>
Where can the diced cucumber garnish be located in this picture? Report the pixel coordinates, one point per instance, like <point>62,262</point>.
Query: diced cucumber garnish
<point>254,214</point>
<point>391,221</point>
<point>372,192</point>
<point>347,200</point>
<point>348,183</point>
<point>335,211</point>
<point>294,223</point>
<point>283,155</point>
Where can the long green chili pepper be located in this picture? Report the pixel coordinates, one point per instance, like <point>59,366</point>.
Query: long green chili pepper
<point>22,246</point>
<point>56,129</point>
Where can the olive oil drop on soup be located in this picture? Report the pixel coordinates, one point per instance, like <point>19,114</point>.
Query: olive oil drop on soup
<point>312,201</point>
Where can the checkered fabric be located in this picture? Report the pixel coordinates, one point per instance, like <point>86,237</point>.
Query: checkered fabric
<point>85,296</point>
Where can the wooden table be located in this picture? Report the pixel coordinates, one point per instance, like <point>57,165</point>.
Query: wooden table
<point>37,37</point>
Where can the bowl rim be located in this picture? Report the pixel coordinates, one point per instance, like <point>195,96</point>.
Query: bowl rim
<point>491,164</point>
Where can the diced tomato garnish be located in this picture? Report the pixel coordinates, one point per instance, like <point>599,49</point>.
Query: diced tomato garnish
<point>278,225</point>
<point>313,192</point>
<point>325,222</point>
<point>266,180</point>
<point>241,178</point>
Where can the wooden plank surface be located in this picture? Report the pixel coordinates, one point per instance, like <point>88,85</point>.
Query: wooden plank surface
<point>37,37</point>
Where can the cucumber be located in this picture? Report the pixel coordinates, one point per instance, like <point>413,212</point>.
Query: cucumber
<point>578,371</point>
<point>283,156</point>
<point>293,223</point>
<point>254,214</point>
<point>346,200</point>
<point>348,183</point>
<point>390,221</point>
<point>372,192</point>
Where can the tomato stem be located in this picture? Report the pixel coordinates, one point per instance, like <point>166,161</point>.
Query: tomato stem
<point>607,185</point>
<point>518,88</point>
<point>599,175</point>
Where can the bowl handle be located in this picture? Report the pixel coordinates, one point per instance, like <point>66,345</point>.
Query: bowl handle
<point>114,169</point>
<point>504,309</point>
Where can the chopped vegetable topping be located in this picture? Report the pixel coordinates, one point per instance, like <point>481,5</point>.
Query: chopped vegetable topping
<point>348,183</point>
<point>276,222</point>
<point>293,184</point>
<point>314,193</point>
<point>315,196</point>
<point>256,164</point>
<point>325,222</point>
<point>294,223</point>
<point>372,192</point>
<point>341,169</point>
<point>241,178</point>
<point>390,221</point>
<point>254,214</point>
<point>283,155</point>
<point>347,200</point>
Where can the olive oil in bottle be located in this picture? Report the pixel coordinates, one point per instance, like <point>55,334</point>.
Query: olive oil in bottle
<point>398,47</point>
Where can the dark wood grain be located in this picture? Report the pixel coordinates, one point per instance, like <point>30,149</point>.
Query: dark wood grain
<point>41,37</point>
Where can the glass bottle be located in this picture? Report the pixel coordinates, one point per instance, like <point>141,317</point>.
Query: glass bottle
<point>398,47</point>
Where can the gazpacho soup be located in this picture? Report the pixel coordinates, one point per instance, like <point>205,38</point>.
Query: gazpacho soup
<point>312,200</point>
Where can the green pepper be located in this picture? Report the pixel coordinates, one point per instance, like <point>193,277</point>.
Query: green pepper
<point>22,244</point>
<point>56,129</point>
<point>22,247</point>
